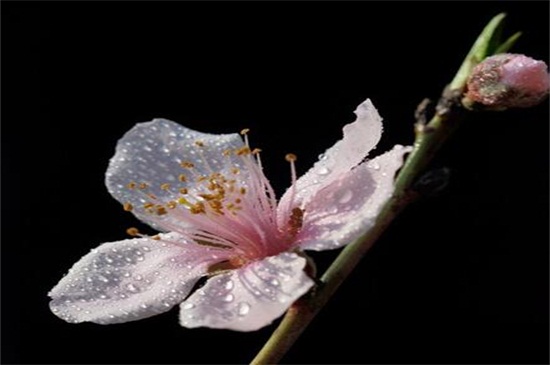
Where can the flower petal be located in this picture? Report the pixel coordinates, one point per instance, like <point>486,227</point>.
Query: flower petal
<point>249,298</point>
<point>360,137</point>
<point>346,209</point>
<point>131,279</point>
<point>150,155</point>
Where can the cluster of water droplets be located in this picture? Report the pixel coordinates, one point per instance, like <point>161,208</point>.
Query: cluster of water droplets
<point>123,281</point>
<point>240,300</point>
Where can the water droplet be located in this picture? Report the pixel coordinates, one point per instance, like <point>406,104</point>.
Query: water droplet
<point>108,259</point>
<point>166,304</point>
<point>322,156</point>
<point>144,306</point>
<point>139,277</point>
<point>323,171</point>
<point>346,197</point>
<point>169,282</point>
<point>274,282</point>
<point>146,248</point>
<point>375,166</point>
<point>228,298</point>
<point>111,316</point>
<point>126,275</point>
<point>132,288</point>
<point>188,306</point>
<point>229,285</point>
<point>103,296</point>
<point>140,258</point>
<point>244,308</point>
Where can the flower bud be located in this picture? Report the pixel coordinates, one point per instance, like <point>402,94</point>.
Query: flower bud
<point>507,81</point>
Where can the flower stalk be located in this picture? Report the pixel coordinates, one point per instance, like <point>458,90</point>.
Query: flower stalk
<point>429,137</point>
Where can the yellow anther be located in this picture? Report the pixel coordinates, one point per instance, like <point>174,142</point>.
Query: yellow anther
<point>161,210</point>
<point>131,185</point>
<point>187,165</point>
<point>245,131</point>
<point>184,201</point>
<point>198,208</point>
<point>238,201</point>
<point>226,153</point>
<point>242,190</point>
<point>128,207</point>
<point>156,237</point>
<point>148,205</point>
<point>143,186</point>
<point>132,231</point>
<point>182,178</point>
<point>165,186</point>
<point>243,151</point>
<point>235,170</point>
<point>296,221</point>
<point>202,178</point>
<point>171,204</point>
<point>255,151</point>
<point>199,143</point>
<point>290,157</point>
<point>152,196</point>
<point>184,191</point>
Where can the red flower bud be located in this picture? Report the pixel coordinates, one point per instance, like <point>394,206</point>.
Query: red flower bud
<point>509,80</point>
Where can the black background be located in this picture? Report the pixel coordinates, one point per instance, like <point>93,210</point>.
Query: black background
<point>458,278</point>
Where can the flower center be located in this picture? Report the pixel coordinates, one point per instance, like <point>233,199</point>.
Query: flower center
<point>227,205</point>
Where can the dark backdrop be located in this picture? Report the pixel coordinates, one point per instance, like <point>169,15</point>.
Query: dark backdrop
<point>461,277</point>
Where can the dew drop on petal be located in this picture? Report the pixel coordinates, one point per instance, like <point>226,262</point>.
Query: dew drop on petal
<point>323,171</point>
<point>188,306</point>
<point>229,285</point>
<point>346,197</point>
<point>274,282</point>
<point>132,288</point>
<point>244,308</point>
<point>228,298</point>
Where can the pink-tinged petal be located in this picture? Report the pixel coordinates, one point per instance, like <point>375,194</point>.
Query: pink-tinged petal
<point>360,137</point>
<point>152,153</point>
<point>249,298</point>
<point>348,208</point>
<point>131,279</point>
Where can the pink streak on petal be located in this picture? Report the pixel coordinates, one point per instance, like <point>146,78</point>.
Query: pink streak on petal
<point>348,207</point>
<point>131,279</point>
<point>249,298</point>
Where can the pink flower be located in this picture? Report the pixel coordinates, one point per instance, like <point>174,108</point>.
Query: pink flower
<point>223,222</point>
<point>509,80</point>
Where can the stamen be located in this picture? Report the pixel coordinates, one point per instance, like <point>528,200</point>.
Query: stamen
<point>128,207</point>
<point>133,231</point>
<point>199,143</point>
<point>296,221</point>
<point>131,185</point>
<point>187,165</point>
<point>143,186</point>
<point>165,186</point>
<point>184,191</point>
<point>182,178</point>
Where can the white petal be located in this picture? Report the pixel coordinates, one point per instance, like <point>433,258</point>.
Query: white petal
<point>249,298</point>
<point>360,137</point>
<point>348,208</point>
<point>151,153</point>
<point>131,279</point>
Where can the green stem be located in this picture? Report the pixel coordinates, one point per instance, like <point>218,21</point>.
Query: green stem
<point>429,139</point>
